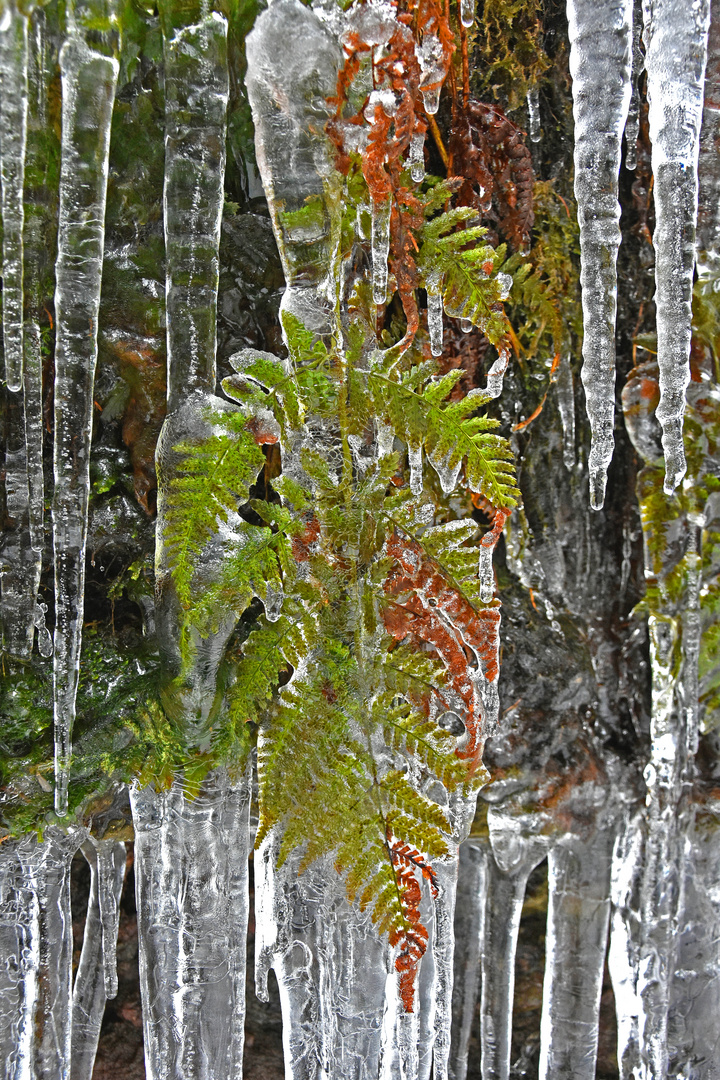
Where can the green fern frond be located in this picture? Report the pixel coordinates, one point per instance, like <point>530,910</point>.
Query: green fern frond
<point>211,479</point>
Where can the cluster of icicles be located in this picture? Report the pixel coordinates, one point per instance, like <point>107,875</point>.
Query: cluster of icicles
<point>191,856</point>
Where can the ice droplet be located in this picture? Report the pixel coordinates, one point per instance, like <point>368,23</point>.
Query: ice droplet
<point>431,100</point>
<point>466,325</point>
<point>467,12</point>
<point>601,96</point>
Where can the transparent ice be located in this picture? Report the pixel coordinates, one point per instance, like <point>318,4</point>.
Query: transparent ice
<point>600,66</point>
<point>89,78</point>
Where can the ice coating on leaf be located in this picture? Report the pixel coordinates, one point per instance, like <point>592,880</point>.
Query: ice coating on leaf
<point>416,157</point>
<point>435,315</point>
<point>415,459</point>
<point>675,38</point>
<point>380,246</point>
<point>96,977</point>
<point>485,573</point>
<point>533,104</point>
<point>13,135</point>
<point>566,407</point>
<point>88,88</point>
<point>191,874</point>
<point>578,915</point>
<point>600,66</point>
<point>632,124</point>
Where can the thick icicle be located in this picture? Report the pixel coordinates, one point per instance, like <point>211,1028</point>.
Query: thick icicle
<point>578,914</point>
<point>469,934</point>
<point>675,37</point>
<point>623,953</point>
<point>514,857</point>
<point>36,946</point>
<point>13,134</point>
<point>632,125</point>
<point>196,96</point>
<point>600,57</point>
<point>191,875</point>
<point>708,222</point>
<point>96,978</point>
<point>88,90</point>
<point>416,157</point>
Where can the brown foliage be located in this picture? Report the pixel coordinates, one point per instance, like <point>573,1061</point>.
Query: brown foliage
<point>413,942</point>
<point>488,151</point>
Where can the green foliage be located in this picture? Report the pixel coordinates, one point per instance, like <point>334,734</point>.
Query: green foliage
<point>210,480</point>
<point>455,263</point>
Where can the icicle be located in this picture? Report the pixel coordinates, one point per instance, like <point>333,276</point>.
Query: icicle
<point>435,314</point>
<point>533,104</point>
<point>332,967</point>
<point>13,134</point>
<point>191,875</point>
<point>675,38</point>
<point>36,946</point>
<point>485,573</point>
<point>469,935</point>
<point>35,244</point>
<point>708,223</point>
<point>467,12</point>
<point>96,978</point>
<point>566,408</point>
<point>19,574</point>
<point>88,92</point>
<point>441,974</point>
<point>380,244</point>
<point>416,157</point>
<point>632,124</point>
<point>600,48</point>
<point>623,953</point>
<point>578,914</point>
<point>514,857</point>
<point>415,461</point>
<point>196,96</point>
<point>496,374</point>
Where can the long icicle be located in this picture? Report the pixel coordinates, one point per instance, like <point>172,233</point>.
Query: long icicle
<point>675,36</point>
<point>13,136</point>
<point>89,79</point>
<point>600,65</point>
<point>96,978</point>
